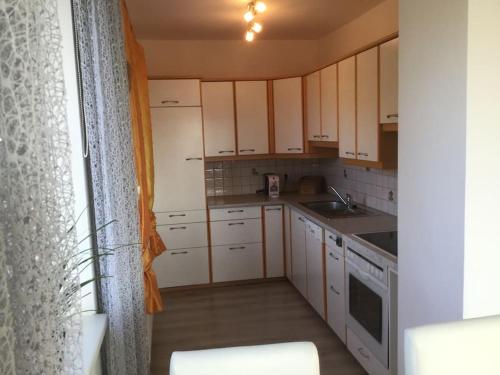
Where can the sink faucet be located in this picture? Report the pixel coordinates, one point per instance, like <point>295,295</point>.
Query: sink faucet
<point>346,201</point>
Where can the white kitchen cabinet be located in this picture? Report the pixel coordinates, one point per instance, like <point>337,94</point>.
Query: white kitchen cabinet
<point>335,291</point>
<point>174,93</point>
<point>315,276</point>
<point>361,352</point>
<point>181,217</point>
<point>313,106</point>
<point>252,117</point>
<point>367,128</point>
<point>178,156</point>
<point>237,262</point>
<point>234,213</point>
<point>236,231</point>
<point>183,236</point>
<point>218,118</point>
<point>182,267</point>
<point>389,69</point>
<point>275,266</point>
<point>347,107</point>
<point>288,120</point>
<point>299,260</point>
<point>329,104</point>
<point>288,245</point>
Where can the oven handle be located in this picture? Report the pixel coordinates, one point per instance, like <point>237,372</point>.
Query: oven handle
<point>354,269</point>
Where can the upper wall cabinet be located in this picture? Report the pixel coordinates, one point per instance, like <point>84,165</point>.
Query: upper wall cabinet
<point>252,117</point>
<point>329,104</point>
<point>174,93</point>
<point>218,118</point>
<point>389,82</point>
<point>313,106</point>
<point>288,120</point>
<point>347,108</point>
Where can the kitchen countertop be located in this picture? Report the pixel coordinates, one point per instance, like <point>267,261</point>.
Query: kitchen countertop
<point>377,222</point>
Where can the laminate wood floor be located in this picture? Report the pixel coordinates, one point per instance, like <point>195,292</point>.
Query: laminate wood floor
<point>252,314</point>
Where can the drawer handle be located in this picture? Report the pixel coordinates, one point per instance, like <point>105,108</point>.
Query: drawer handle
<point>226,152</point>
<point>169,101</point>
<point>237,248</point>
<point>350,153</point>
<point>333,256</point>
<point>247,150</point>
<point>363,153</point>
<point>325,136</point>
<point>179,253</point>
<point>236,224</point>
<point>294,149</point>
<point>301,219</point>
<point>175,228</point>
<point>234,211</point>
<point>189,159</point>
<point>362,352</point>
<point>334,291</point>
<point>273,209</point>
<point>177,215</point>
<point>316,136</point>
<point>393,115</point>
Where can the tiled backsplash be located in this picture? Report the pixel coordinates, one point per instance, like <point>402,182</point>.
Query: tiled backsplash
<point>372,187</point>
<point>246,176</point>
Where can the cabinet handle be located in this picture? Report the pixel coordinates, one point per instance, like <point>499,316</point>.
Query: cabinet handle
<point>169,101</point>
<point>294,149</point>
<point>230,224</point>
<point>316,136</point>
<point>273,209</point>
<point>334,291</point>
<point>175,228</point>
<point>300,219</point>
<point>362,352</point>
<point>362,153</point>
<point>248,150</point>
<point>333,256</point>
<point>179,253</point>
<point>325,136</point>
<point>393,115</point>
<point>189,159</point>
<point>350,153</point>
<point>177,215</point>
<point>237,248</point>
<point>233,211</point>
<point>226,152</point>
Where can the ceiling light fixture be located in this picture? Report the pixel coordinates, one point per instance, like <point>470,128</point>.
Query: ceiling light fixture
<point>254,8</point>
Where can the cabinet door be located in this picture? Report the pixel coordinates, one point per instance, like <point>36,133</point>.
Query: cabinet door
<point>182,267</point>
<point>252,117</point>
<point>389,67</point>
<point>335,292</point>
<point>237,262</point>
<point>178,156</point>
<point>299,272</point>
<point>313,107</point>
<point>347,108</point>
<point>218,118</point>
<point>174,93</point>
<point>315,278</point>
<point>329,104</point>
<point>367,105</point>
<point>288,245</point>
<point>275,265</point>
<point>288,121</point>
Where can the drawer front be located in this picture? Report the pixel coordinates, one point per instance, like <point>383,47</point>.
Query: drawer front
<point>335,269</point>
<point>237,262</point>
<point>236,232</point>
<point>218,214</point>
<point>174,93</point>
<point>364,356</point>
<point>334,241</point>
<point>182,267</point>
<point>180,217</point>
<point>183,236</point>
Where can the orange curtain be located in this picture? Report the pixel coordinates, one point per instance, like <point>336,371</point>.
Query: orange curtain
<point>152,245</point>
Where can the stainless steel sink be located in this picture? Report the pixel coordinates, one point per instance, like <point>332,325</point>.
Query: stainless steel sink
<point>335,209</point>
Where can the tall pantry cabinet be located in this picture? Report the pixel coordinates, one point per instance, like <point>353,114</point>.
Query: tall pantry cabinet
<point>180,203</point>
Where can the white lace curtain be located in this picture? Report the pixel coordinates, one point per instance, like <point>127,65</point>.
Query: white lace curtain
<point>39,300</point>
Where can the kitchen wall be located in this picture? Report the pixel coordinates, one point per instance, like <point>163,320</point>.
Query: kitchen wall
<point>374,188</point>
<point>245,176</point>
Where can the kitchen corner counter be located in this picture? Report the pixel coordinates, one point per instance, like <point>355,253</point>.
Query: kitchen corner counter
<point>377,222</point>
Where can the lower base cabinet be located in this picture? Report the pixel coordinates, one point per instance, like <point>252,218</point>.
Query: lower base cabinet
<point>182,267</point>
<point>237,262</point>
<point>335,292</point>
<point>314,257</point>
<point>364,356</point>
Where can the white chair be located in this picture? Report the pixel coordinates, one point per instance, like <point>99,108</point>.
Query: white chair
<point>466,347</point>
<point>296,358</point>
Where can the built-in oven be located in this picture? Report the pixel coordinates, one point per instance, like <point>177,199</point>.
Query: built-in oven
<point>367,299</point>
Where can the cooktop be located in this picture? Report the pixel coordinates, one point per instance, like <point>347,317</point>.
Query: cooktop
<point>387,241</point>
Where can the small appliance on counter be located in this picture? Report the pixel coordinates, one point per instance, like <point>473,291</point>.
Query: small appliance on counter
<point>273,186</point>
<point>310,185</point>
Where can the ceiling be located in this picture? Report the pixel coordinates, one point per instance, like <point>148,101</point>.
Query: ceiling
<point>223,19</point>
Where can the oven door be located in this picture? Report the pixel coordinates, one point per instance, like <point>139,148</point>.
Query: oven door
<point>367,311</point>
